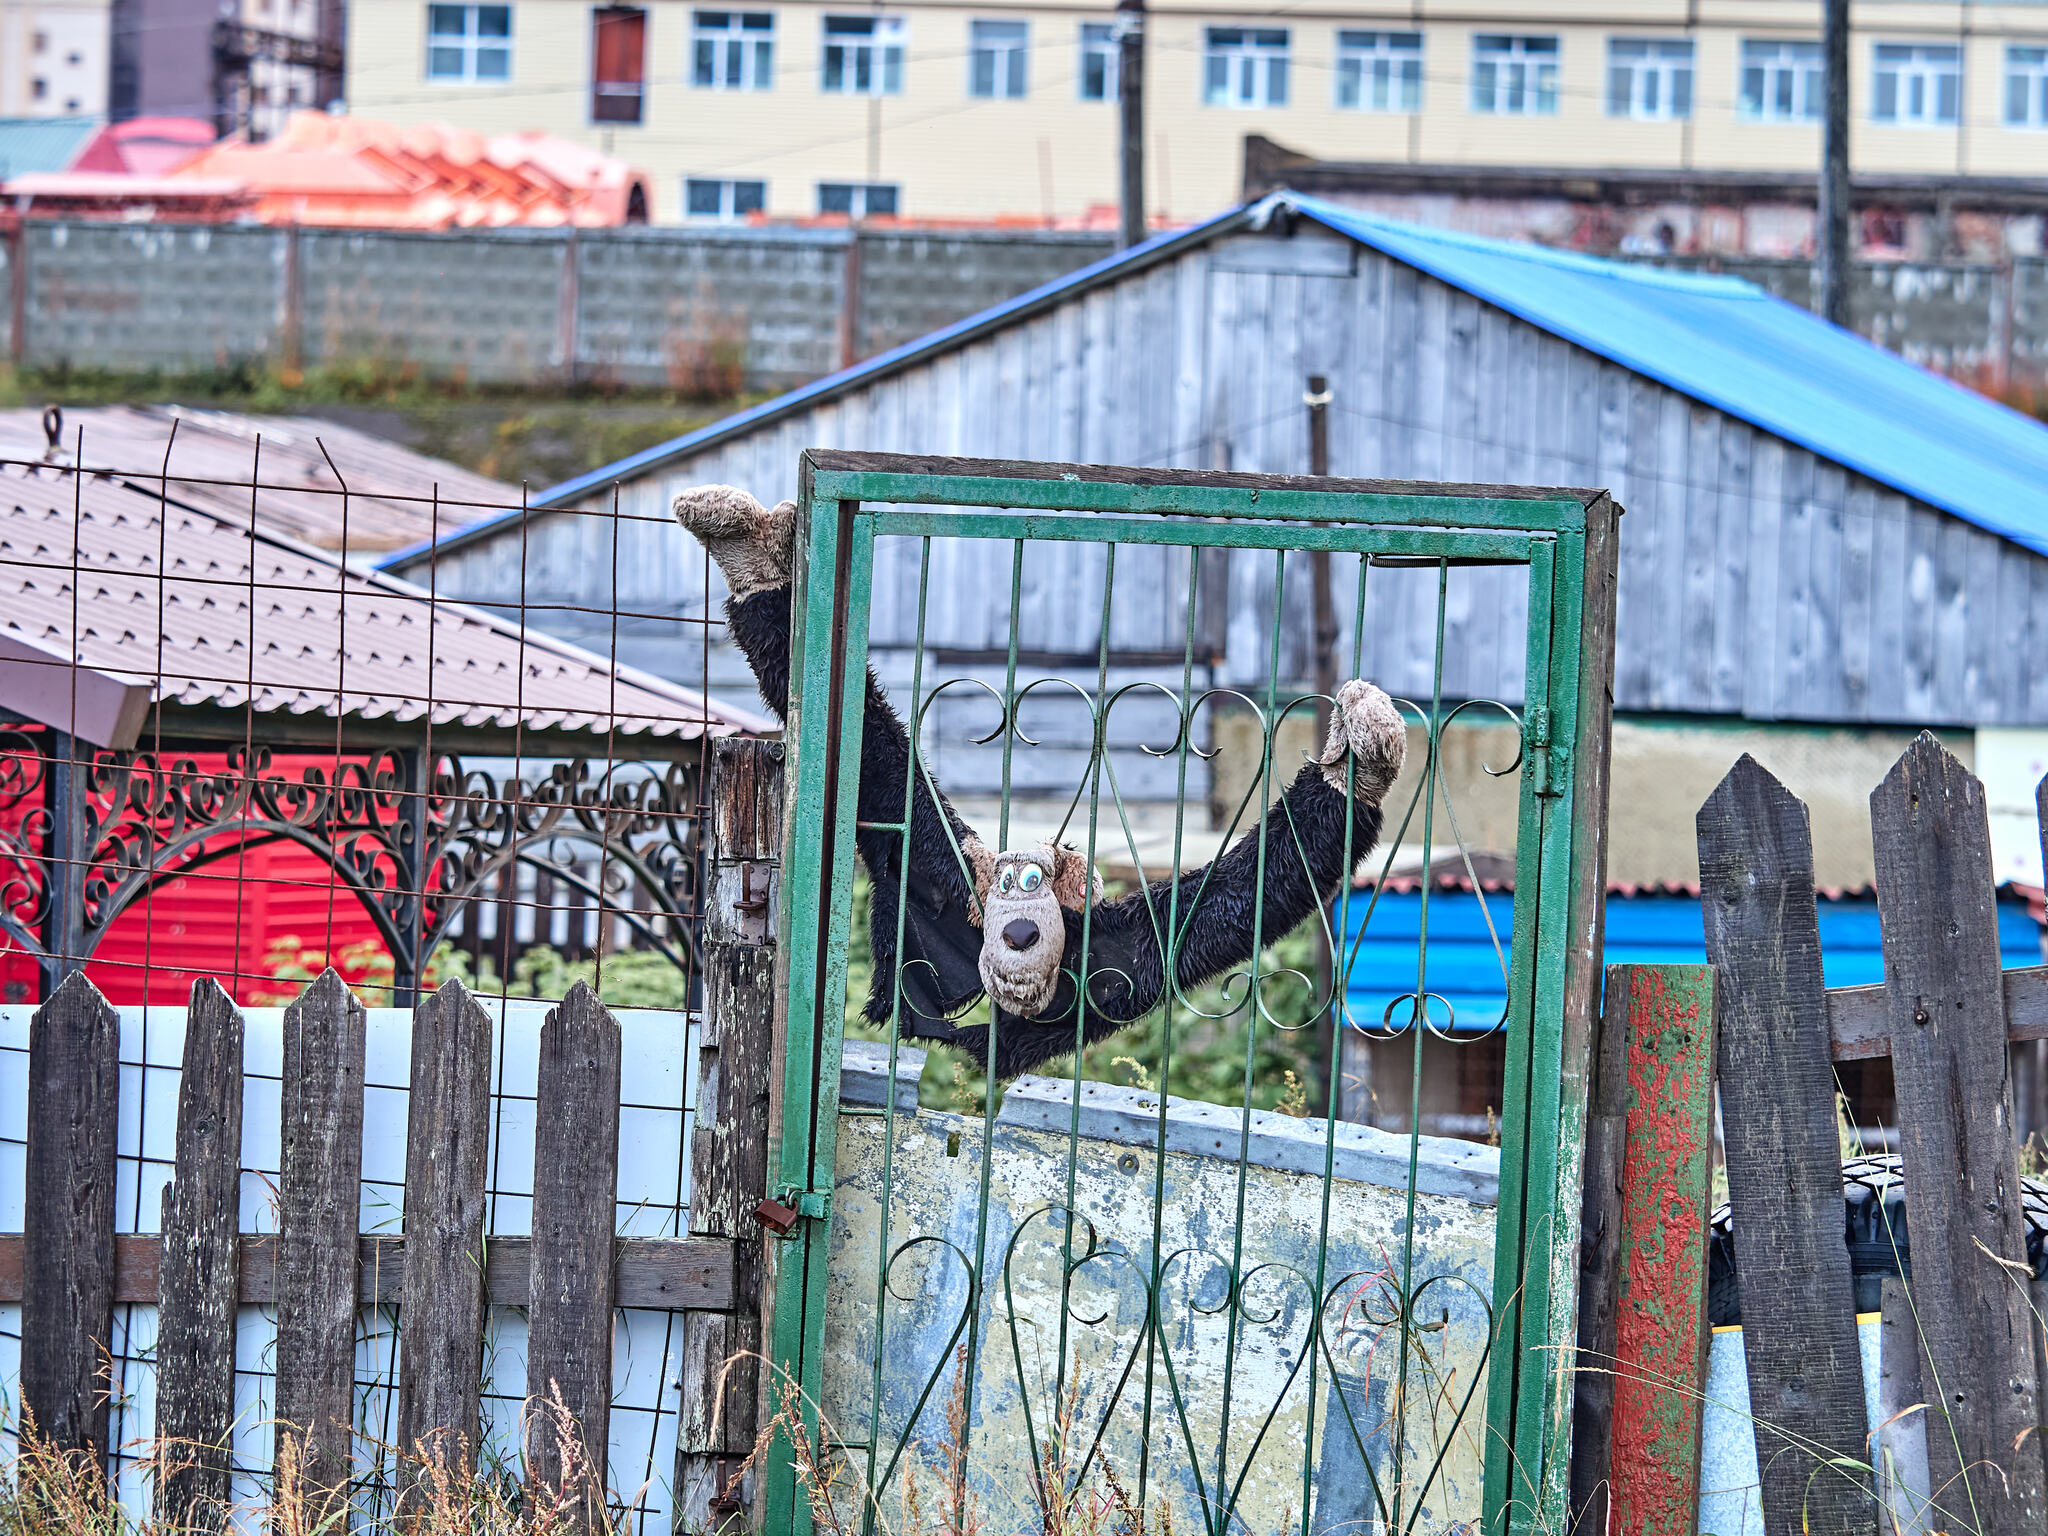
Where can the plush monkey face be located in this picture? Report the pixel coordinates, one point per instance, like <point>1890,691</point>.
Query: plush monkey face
<point>1023,934</point>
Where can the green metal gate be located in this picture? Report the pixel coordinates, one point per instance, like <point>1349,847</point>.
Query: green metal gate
<point>1020,1320</point>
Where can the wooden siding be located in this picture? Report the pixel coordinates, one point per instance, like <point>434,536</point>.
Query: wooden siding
<point>1757,580</point>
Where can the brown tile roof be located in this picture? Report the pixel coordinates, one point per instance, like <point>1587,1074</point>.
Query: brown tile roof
<point>181,600</point>
<point>391,501</point>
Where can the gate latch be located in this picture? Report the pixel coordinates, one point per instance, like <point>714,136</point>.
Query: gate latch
<point>1546,759</point>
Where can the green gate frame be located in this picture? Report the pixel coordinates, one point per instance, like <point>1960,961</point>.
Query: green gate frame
<point>1568,538</point>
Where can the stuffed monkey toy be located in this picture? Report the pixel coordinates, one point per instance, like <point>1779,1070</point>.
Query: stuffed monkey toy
<point>1015,924</point>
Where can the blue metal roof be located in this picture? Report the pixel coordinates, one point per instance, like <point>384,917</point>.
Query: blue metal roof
<point>1719,340</point>
<point>1466,975</point>
<point>33,144</point>
<point>1729,344</point>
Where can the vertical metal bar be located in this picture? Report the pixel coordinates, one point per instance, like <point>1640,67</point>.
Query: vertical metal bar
<point>64,864</point>
<point>1520,1025</point>
<point>409,879</point>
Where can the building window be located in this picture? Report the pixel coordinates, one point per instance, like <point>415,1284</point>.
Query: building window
<point>857,199</point>
<point>1649,77</point>
<point>1918,84</point>
<point>42,42</point>
<point>2026,87</point>
<point>1100,52</point>
<point>39,88</point>
<point>469,42</point>
<point>618,55</point>
<point>712,197</point>
<point>1516,76</point>
<point>864,55</point>
<point>732,50</point>
<point>1782,82</point>
<point>1246,67</point>
<point>1379,71</point>
<point>995,58</point>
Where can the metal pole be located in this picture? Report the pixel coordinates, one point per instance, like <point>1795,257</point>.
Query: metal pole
<point>1130,95</point>
<point>64,862</point>
<point>1317,399</point>
<point>1832,233</point>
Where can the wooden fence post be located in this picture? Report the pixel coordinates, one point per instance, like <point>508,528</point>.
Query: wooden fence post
<point>441,1320</point>
<point>729,1157</point>
<point>1946,1009</point>
<point>1661,1254</point>
<point>320,1185</point>
<point>1784,1162</point>
<point>197,1273</point>
<point>575,1213</point>
<point>67,1283</point>
<point>1607,1103</point>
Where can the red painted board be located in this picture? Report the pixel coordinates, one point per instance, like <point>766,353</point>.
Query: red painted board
<point>1666,1186</point>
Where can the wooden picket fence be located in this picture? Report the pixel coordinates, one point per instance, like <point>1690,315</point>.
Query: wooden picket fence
<point>69,1269</point>
<point>1961,1341</point>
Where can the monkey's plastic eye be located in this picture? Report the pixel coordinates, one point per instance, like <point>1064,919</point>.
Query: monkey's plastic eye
<point>1030,877</point>
<point>1006,881</point>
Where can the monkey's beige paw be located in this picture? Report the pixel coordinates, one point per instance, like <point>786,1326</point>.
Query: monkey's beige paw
<point>1366,728</point>
<point>750,543</point>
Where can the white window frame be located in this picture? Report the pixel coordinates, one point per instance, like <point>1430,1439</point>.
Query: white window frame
<point>1793,68</point>
<point>878,50</point>
<point>1912,76</point>
<point>1379,71</point>
<point>1099,40</point>
<point>1515,74</point>
<point>469,44</point>
<point>739,47</point>
<point>2026,67</point>
<point>1245,67</point>
<point>1008,57</point>
<point>729,210</point>
<point>1650,79</point>
<point>863,193</point>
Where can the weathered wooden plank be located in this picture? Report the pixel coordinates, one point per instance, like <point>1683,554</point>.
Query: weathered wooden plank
<point>663,1274</point>
<point>67,1294</point>
<point>1859,1025</point>
<point>719,1406</point>
<point>1607,1102</point>
<point>575,1192</point>
<point>1784,1164</point>
<point>196,1271</point>
<point>1899,1448</point>
<point>319,1210</point>
<point>1938,908</point>
<point>1661,1326</point>
<point>447,1142</point>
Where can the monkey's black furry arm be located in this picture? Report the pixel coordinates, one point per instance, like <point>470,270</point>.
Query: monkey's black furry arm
<point>941,942</point>
<point>1306,862</point>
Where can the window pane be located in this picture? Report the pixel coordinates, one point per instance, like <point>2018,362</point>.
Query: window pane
<point>835,69</point>
<point>764,65</point>
<point>1216,79</point>
<point>444,63</point>
<point>1887,95</point>
<point>835,197</point>
<point>1619,79</point>
<point>749,197</point>
<point>1276,82</point>
<point>494,21</point>
<point>702,197</point>
<point>982,74</point>
<point>892,70</point>
<point>882,200</point>
<point>1681,93</point>
<point>446,20</point>
<point>850,26</point>
<point>494,63</point>
<point>1948,97</point>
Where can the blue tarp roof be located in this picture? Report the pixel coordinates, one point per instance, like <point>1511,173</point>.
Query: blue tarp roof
<point>1719,340</point>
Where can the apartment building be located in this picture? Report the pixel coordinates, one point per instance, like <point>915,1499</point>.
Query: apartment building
<point>934,109</point>
<point>53,58</point>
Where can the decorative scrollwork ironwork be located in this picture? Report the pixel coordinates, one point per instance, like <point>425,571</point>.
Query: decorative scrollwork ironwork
<point>415,849</point>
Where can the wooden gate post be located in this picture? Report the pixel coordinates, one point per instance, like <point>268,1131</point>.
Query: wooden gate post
<point>729,1157</point>
<point>1945,1004</point>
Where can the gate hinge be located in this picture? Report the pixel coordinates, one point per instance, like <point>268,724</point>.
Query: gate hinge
<point>1546,759</point>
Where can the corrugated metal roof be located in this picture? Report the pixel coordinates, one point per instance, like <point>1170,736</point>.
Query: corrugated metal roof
<point>392,489</point>
<point>1729,344</point>
<point>42,143</point>
<point>229,618</point>
<point>1719,340</point>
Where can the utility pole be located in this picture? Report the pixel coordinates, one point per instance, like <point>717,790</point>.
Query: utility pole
<point>1130,96</point>
<point>1832,231</point>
